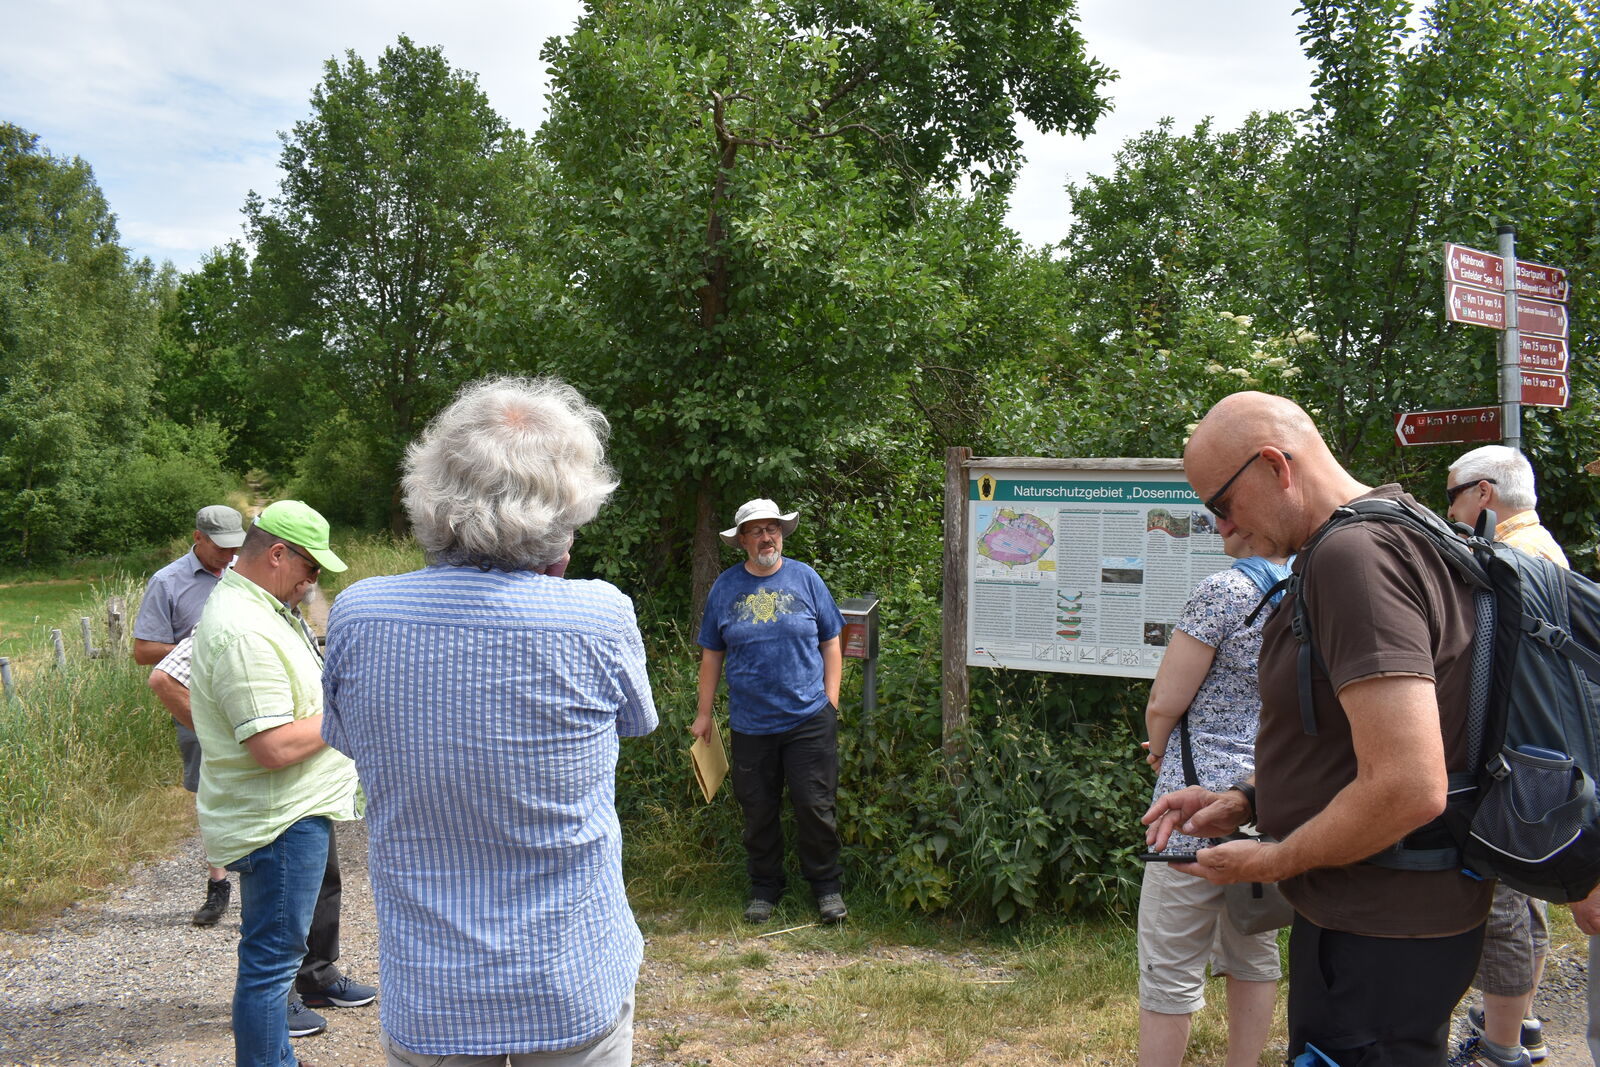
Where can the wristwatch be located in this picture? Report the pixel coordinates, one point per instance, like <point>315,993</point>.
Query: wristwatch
<point>1249,792</point>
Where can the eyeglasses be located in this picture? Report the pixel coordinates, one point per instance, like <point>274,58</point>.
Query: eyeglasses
<point>1455,491</point>
<point>316,568</point>
<point>771,528</point>
<point>1219,507</point>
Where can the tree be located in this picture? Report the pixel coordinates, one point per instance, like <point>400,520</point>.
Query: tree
<point>1330,235</point>
<point>217,362</point>
<point>747,202</point>
<point>401,177</point>
<point>76,323</point>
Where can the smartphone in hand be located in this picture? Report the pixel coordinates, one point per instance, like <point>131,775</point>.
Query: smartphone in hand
<point>1166,857</point>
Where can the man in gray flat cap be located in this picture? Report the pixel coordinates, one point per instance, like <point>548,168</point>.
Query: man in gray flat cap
<point>771,625</point>
<point>168,613</point>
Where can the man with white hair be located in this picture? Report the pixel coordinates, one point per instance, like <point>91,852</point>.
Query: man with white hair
<point>1500,479</point>
<point>482,699</point>
<point>1517,940</point>
<point>772,626</point>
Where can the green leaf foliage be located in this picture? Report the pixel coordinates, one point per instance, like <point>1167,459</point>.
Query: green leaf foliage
<point>76,322</point>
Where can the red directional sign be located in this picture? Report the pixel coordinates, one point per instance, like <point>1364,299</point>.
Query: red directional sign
<point>1541,316</point>
<point>1484,307</point>
<point>1447,427</point>
<point>1474,306</point>
<point>1486,270</point>
<point>1536,279</point>
<point>1544,390</point>
<point>1547,354</point>
<point>1472,267</point>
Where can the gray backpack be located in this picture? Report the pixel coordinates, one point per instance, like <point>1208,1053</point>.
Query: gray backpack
<point>1525,812</point>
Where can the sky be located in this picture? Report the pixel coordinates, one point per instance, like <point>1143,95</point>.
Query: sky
<point>177,104</point>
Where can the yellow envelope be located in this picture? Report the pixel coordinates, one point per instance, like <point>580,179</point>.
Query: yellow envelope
<point>710,762</point>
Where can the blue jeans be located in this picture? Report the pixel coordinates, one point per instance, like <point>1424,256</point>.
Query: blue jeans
<point>278,885</point>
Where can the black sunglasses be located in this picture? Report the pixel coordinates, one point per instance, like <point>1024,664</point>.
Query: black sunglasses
<point>1451,493</point>
<point>1219,507</point>
<point>316,568</point>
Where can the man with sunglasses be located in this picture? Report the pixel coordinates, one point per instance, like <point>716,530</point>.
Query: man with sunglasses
<point>772,627</point>
<point>269,786</point>
<point>1378,957</point>
<point>1500,479</point>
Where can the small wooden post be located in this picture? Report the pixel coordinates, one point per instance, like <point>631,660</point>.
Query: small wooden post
<point>116,611</point>
<point>5,679</point>
<point>955,690</point>
<point>88,637</point>
<point>61,649</point>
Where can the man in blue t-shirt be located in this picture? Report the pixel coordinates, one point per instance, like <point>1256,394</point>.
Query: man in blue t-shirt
<point>772,627</point>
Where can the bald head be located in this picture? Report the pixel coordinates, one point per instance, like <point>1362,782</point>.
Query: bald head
<point>1244,422</point>
<point>1287,482</point>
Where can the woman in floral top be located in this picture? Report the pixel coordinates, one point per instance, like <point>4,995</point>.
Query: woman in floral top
<point>1208,672</point>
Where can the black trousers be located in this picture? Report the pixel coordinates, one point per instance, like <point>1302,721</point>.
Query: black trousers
<point>322,943</point>
<point>806,759</point>
<point>1376,1001</point>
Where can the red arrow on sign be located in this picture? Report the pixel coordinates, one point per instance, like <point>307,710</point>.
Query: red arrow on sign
<point>1547,354</point>
<point>1544,390</point>
<point>1448,426</point>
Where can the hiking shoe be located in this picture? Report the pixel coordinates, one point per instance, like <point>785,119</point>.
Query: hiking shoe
<point>1532,1034</point>
<point>758,910</point>
<point>209,913</point>
<point>345,993</point>
<point>831,907</point>
<point>303,1022</point>
<point>1474,1053</point>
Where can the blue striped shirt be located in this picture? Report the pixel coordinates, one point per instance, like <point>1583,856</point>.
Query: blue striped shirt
<point>483,711</point>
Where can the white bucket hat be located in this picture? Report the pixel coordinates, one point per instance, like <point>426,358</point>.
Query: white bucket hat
<point>759,509</point>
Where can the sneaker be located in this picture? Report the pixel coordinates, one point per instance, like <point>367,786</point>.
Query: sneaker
<point>831,907</point>
<point>1532,1034</point>
<point>345,993</point>
<point>303,1022</point>
<point>758,910</point>
<point>209,913</point>
<point>1474,1053</point>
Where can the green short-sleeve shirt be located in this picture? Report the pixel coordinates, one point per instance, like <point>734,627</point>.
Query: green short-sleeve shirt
<point>255,668</point>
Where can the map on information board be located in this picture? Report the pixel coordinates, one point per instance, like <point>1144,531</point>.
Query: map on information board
<point>1083,571</point>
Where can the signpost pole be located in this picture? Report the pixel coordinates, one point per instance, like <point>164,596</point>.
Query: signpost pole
<point>1510,347</point>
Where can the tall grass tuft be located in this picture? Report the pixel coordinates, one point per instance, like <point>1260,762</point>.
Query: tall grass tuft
<point>88,770</point>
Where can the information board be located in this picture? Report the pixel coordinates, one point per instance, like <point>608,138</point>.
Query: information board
<point>1083,571</point>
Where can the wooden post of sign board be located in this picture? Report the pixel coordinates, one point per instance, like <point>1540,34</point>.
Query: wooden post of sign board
<point>955,687</point>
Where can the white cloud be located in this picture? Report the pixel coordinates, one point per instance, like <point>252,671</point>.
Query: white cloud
<point>177,104</point>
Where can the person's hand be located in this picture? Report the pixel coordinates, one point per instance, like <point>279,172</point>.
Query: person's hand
<point>1150,757</point>
<point>1196,811</point>
<point>1586,913</point>
<point>701,727</point>
<point>1233,861</point>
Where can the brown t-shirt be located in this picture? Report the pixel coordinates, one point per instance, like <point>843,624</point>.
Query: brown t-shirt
<point>1381,601</point>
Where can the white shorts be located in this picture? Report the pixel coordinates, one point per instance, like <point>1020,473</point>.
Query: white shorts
<point>1183,927</point>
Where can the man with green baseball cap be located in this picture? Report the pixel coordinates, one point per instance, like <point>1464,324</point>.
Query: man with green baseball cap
<point>270,788</point>
<point>298,522</point>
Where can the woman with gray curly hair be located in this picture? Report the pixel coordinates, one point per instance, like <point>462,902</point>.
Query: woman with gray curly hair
<point>483,698</point>
<point>507,473</point>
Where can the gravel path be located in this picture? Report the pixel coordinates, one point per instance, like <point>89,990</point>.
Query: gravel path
<point>128,981</point>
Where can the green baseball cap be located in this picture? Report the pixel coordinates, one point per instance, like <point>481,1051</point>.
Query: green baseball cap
<point>299,522</point>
